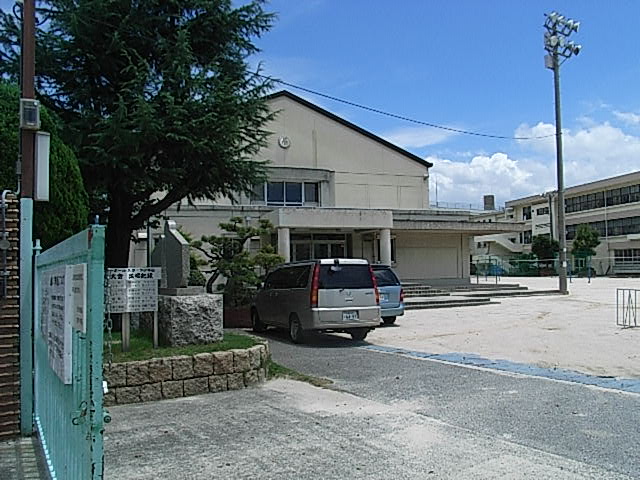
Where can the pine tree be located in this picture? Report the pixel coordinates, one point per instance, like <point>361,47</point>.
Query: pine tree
<point>157,99</point>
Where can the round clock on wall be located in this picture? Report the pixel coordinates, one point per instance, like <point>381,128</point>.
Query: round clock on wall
<point>284,142</point>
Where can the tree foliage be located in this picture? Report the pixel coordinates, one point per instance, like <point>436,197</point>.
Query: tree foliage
<point>67,211</point>
<point>545,248</point>
<point>230,259</point>
<point>585,241</point>
<point>157,99</point>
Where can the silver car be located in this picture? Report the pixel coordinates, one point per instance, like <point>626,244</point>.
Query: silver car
<point>338,295</point>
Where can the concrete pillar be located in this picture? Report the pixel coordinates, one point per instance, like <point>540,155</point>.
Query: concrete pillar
<point>385,246</point>
<point>284,244</point>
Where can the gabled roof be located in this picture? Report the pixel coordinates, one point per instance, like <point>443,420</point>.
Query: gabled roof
<point>352,126</point>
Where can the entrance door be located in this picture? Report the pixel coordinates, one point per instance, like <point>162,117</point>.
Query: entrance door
<point>318,245</point>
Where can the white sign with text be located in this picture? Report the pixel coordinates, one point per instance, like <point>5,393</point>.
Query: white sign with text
<point>133,289</point>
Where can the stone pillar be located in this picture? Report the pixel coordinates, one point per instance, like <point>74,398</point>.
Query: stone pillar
<point>284,245</point>
<point>385,246</point>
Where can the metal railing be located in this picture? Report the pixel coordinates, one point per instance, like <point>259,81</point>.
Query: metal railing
<point>627,307</point>
<point>464,206</point>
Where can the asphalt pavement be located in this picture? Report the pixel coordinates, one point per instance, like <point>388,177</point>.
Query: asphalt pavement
<point>385,416</point>
<point>586,424</point>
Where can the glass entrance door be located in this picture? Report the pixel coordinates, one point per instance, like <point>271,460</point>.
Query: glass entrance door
<point>315,246</point>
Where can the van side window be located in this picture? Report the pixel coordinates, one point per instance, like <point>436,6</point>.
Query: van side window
<point>301,276</point>
<point>268,282</point>
<point>293,277</point>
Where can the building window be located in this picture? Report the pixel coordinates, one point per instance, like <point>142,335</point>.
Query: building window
<point>611,228</point>
<point>615,196</point>
<point>526,237</point>
<point>293,194</point>
<point>311,193</point>
<point>526,213</point>
<point>627,255</point>
<point>542,211</point>
<point>275,193</point>
<point>257,193</point>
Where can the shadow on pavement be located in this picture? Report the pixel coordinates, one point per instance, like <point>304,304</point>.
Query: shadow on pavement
<point>313,339</point>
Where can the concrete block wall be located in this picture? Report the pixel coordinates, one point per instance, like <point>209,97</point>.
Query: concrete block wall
<point>185,375</point>
<point>10,329</point>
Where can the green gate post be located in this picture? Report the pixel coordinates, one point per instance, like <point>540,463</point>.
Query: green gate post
<point>26,316</point>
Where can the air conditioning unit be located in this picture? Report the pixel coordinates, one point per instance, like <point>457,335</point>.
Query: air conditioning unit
<point>29,114</point>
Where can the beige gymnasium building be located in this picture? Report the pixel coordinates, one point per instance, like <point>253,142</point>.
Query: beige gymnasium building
<point>337,190</point>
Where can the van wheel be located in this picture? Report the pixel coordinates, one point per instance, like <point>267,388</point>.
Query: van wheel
<point>389,320</point>
<point>359,334</point>
<point>256,323</point>
<point>296,333</point>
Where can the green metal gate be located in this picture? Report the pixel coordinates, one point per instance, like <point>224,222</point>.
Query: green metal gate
<point>68,328</point>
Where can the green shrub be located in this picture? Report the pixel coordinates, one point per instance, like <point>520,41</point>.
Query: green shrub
<point>67,210</point>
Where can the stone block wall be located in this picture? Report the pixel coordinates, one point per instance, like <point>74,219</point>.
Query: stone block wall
<point>185,375</point>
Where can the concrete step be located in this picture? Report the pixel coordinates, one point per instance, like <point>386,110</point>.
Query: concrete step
<point>475,287</point>
<point>425,293</point>
<point>420,303</point>
<point>505,293</point>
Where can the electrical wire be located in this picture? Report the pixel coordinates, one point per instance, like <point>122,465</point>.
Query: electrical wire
<point>400,117</point>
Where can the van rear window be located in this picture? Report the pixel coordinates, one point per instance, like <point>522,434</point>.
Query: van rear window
<point>345,276</point>
<point>386,278</point>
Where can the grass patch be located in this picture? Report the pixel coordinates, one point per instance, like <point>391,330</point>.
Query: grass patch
<point>280,371</point>
<point>141,347</point>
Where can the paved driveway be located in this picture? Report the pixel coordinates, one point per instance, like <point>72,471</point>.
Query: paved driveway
<point>291,430</point>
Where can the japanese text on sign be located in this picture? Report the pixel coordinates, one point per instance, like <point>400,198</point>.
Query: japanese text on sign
<point>133,289</point>
<point>62,308</point>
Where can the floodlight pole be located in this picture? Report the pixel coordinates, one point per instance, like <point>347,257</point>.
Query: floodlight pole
<point>562,236</point>
<point>556,44</point>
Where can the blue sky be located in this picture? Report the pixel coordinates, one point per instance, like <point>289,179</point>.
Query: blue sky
<point>475,65</point>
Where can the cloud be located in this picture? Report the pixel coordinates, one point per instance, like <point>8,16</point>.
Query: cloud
<point>417,137</point>
<point>592,153</point>
<point>467,182</point>
<point>629,118</point>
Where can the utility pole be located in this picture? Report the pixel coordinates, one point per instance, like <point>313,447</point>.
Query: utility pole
<point>556,44</point>
<point>29,124</point>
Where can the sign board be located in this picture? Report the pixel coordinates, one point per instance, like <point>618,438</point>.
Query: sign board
<point>57,306</point>
<point>78,296</point>
<point>133,289</point>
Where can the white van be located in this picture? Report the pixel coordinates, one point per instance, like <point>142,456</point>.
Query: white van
<point>338,295</point>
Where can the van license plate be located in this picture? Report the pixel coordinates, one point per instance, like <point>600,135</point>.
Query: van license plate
<point>384,297</point>
<point>349,316</point>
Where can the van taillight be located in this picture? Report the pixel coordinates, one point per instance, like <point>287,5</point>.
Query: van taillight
<point>375,285</point>
<point>401,295</point>
<point>315,281</point>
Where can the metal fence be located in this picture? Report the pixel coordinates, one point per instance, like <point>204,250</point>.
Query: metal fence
<point>524,267</point>
<point>627,307</point>
<point>68,331</point>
